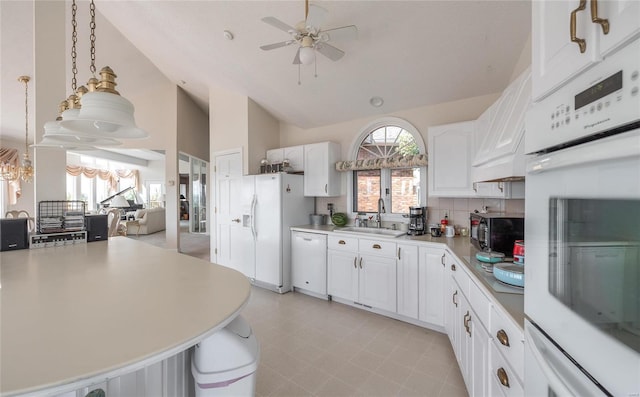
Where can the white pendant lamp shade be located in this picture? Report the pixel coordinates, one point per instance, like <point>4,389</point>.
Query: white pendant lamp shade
<point>55,135</point>
<point>105,115</point>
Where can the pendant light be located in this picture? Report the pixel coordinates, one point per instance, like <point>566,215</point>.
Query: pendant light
<point>55,135</point>
<point>103,111</point>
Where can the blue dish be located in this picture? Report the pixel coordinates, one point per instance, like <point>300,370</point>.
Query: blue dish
<point>509,274</point>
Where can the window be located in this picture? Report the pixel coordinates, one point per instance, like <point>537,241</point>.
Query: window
<point>400,188</point>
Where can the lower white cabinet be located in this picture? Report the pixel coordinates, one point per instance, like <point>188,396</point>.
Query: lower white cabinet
<point>359,274</point>
<point>408,281</point>
<point>431,285</point>
<point>309,261</point>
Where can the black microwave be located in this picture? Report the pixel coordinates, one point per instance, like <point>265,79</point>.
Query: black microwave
<point>496,231</point>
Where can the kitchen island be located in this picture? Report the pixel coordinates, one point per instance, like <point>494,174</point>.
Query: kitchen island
<point>78,315</point>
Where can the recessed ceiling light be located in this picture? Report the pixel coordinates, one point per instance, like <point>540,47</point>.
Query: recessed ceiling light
<point>376,101</point>
<point>228,35</point>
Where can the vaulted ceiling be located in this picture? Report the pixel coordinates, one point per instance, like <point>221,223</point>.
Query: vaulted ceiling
<point>410,53</point>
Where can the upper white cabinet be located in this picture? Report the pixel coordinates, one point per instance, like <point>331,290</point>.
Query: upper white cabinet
<point>450,173</point>
<point>556,58</point>
<point>451,149</point>
<point>295,155</point>
<point>320,176</point>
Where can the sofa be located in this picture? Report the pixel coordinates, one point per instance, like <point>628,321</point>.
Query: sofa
<point>151,220</point>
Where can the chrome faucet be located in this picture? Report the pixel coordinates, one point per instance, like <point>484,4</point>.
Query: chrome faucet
<point>381,210</point>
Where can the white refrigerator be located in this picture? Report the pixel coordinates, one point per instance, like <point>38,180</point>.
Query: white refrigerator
<point>271,204</point>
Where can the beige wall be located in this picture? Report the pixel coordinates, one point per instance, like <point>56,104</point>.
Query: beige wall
<point>264,134</point>
<point>524,61</point>
<point>228,121</point>
<point>193,127</point>
<point>345,133</point>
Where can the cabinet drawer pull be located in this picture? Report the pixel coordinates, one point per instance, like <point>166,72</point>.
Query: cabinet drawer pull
<point>360,263</point>
<point>442,260</point>
<point>453,298</point>
<point>376,246</point>
<point>399,258</point>
<point>572,25</point>
<point>502,337</point>
<point>341,242</point>
<point>325,185</point>
<point>595,19</point>
<point>502,376</point>
<point>355,261</point>
<point>453,267</point>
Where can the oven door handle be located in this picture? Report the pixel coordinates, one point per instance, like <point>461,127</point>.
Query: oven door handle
<point>613,148</point>
<point>563,380</point>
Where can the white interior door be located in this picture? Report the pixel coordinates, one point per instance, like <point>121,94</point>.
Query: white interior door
<point>228,209</point>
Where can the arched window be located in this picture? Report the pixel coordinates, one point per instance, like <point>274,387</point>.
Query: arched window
<point>385,144</point>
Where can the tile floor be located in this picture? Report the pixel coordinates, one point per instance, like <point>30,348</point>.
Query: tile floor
<point>312,347</point>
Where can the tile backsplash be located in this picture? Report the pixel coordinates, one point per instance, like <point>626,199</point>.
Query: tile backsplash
<point>457,209</point>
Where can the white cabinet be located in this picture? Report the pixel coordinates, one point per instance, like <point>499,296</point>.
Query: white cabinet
<point>450,172</point>
<point>362,271</point>
<point>451,149</point>
<point>295,155</point>
<point>410,281</point>
<point>309,261</point>
<point>432,285</point>
<point>556,59</point>
<point>320,176</point>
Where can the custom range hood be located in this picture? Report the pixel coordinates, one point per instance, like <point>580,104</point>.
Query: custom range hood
<point>500,131</point>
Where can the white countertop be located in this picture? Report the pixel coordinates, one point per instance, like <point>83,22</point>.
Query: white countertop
<point>75,313</point>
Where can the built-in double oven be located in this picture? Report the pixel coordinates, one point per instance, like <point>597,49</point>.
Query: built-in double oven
<point>582,231</point>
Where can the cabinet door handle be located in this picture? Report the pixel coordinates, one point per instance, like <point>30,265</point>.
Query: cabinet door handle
<point>466,323</point>
<point>503,337</point>
<point>399,258</point>
<point>360,263</point>
<point>475,187</point>
<point>453,267</point>
<point>376,246</point>
<point>325,185</point>
<point>453,298</point>
<point>355,261</point>
<point>442,260</point>
<point>572,25</point>
<point>341,242</point>
<point>502,377</point>
<point>595,19</point>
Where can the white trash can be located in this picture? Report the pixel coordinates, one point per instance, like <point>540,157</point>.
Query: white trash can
<point>225,363</point>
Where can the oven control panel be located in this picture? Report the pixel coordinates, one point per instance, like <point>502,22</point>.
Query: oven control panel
<point>601,99</point>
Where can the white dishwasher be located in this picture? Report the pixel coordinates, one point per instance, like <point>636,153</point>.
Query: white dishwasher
<point>309,262</point>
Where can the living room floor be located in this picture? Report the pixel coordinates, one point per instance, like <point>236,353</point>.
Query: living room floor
<point>314,347</point>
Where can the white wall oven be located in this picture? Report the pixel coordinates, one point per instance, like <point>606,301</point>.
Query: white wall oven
<point>582,233</point>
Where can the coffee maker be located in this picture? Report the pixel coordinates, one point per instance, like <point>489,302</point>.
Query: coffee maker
<point>417,220</point>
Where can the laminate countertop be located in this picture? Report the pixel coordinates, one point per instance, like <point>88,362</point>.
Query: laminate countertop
<point>512,303</point>
<point>78,313</point>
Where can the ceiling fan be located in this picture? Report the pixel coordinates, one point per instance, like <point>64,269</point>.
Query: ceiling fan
<point>310,36</point>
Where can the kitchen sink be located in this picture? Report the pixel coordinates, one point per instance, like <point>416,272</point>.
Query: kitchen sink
<point>370,230</point>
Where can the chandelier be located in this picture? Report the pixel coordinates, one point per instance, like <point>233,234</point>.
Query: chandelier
<point>12,172</point>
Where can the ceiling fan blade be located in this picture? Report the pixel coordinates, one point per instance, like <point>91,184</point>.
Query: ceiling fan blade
<point>277,45</point>
<point>316,17</point>
<point>296,59</point>
<point>278,24</point>
<point>349,32</point>
<point>329,51</point>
